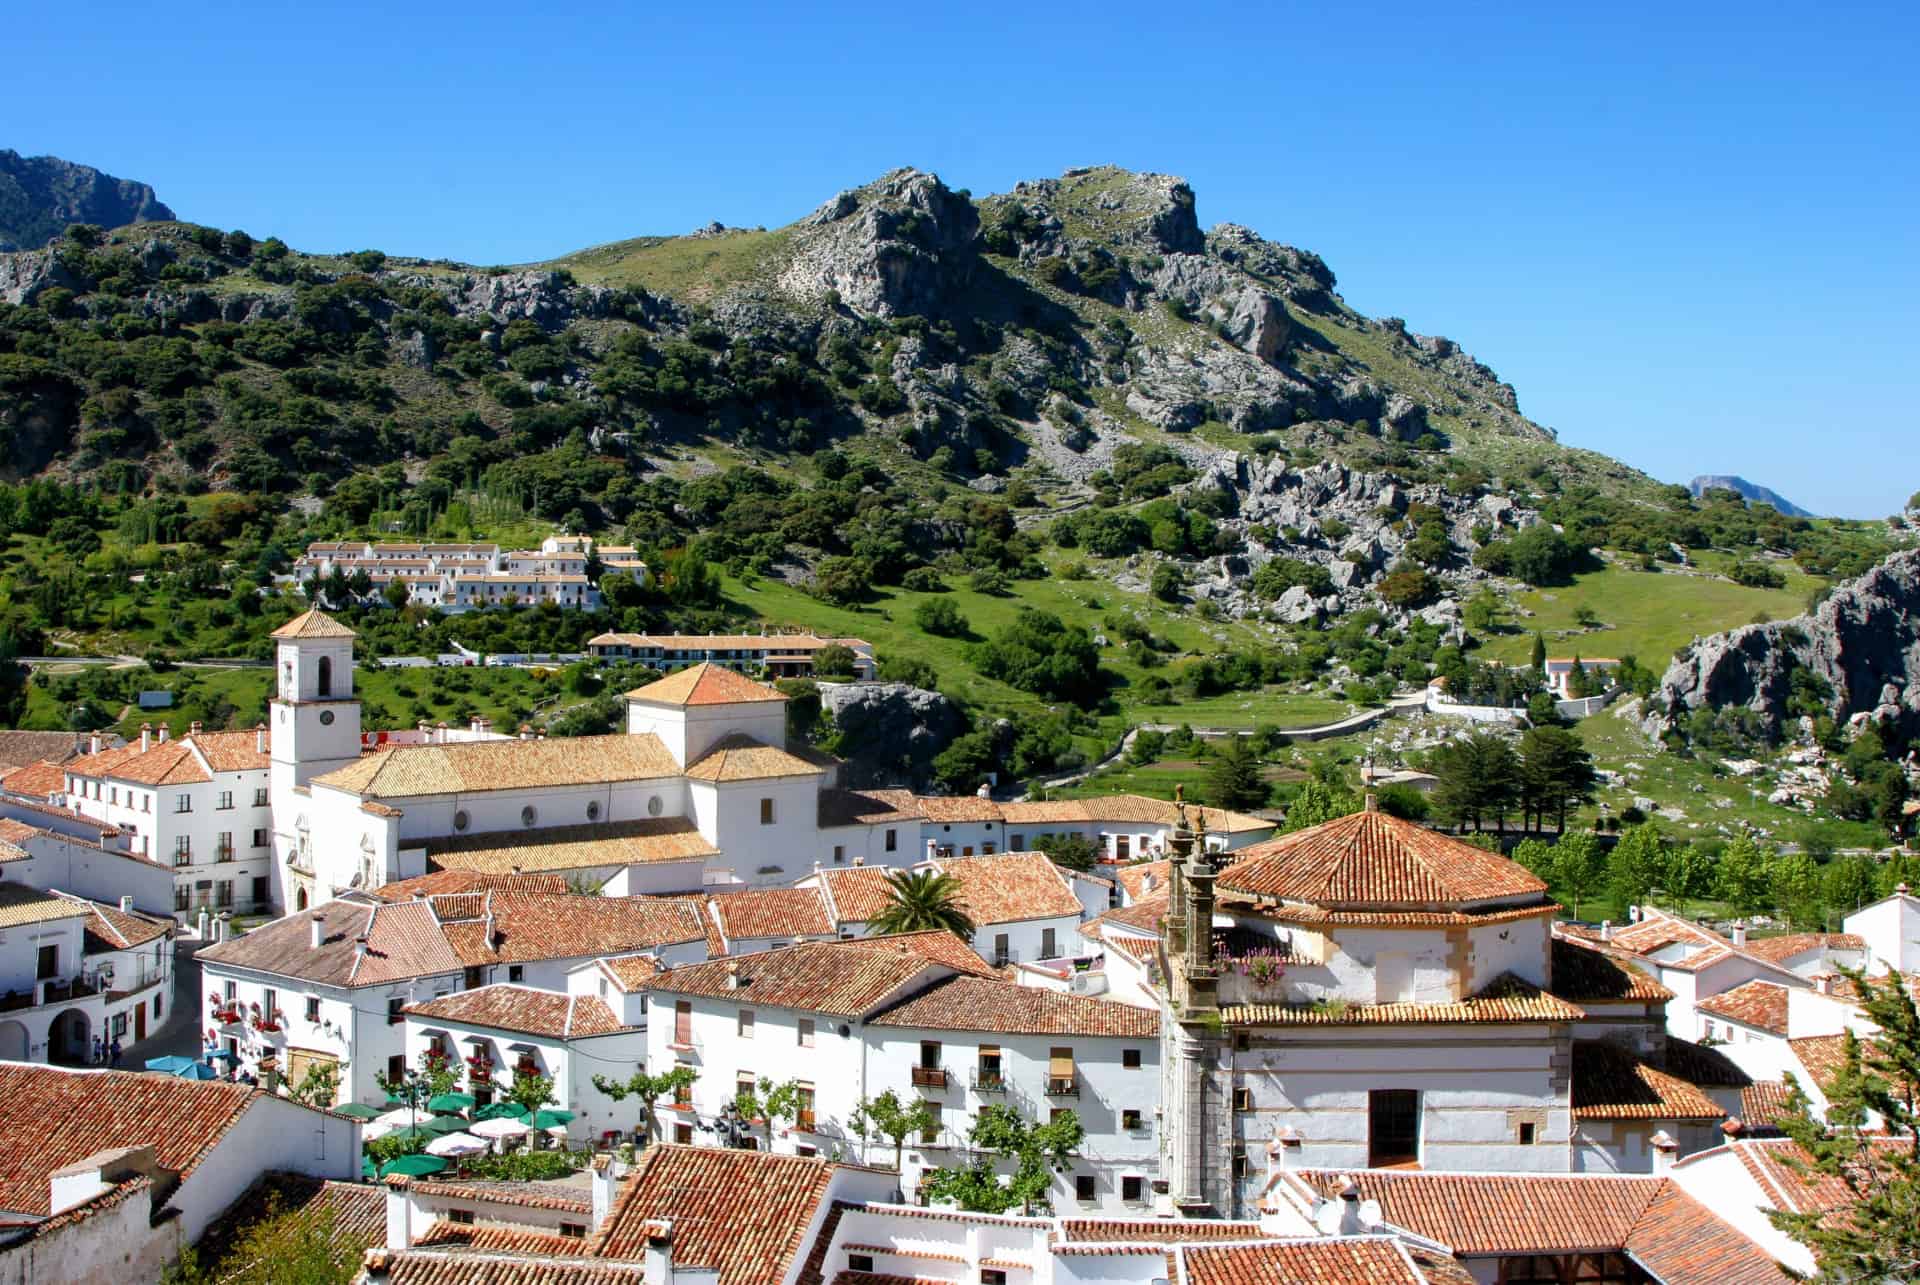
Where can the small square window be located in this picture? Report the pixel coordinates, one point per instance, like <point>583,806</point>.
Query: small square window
<point>1528,1133</point>
<point>766,812</point>
<point>992,1276</point>
<point>805,1035</point>
<point>893,840</point>
<point>1130,1119</point>
<point>1130,1059</point>
<point>1083,1187</point>
<point>574,1231</point>
<point>1243,1099</point>
<point>1242,1041</point>
<point>745,1026</point>
<point>462,1216</point>
<point>1132,1189</point>
<point>313,1008</point>
<point>860,1262</point>
<point>1239,1164</point>
<point>515,972</point>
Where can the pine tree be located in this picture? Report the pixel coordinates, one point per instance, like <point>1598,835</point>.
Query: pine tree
<point>1234,780</point>
<point>1539,660</point>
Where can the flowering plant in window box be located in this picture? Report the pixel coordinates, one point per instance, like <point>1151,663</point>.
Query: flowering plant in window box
<point>480,1070</point>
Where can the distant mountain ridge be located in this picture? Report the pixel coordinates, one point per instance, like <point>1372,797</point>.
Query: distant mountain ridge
<point>1747,490</point>
<point>41,195</point>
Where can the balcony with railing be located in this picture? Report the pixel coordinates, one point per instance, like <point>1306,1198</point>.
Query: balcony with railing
<point>1063,1086</point>
<point>929,1077</point>
<point>223,851</point>
<point>804,1121</point>
<point>989,1080</point>
<point>50,991</point>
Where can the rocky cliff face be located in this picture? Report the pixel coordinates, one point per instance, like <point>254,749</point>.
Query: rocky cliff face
<point>900,245</point>
<point>1863,641</point>
<point>41,195</point>
<point>890,732</point>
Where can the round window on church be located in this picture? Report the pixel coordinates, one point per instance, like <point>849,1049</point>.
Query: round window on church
<point>654,805</point>
<point>528,816</point>
<point>593,810</point>
<point>460,819</point>
<point>326,718</point>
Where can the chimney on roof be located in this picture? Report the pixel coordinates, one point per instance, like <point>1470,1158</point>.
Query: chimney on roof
<point>984,792</point>
<point>166,733</point>
<point>480,725</point>
<point>359,948</point>
<point>1350,1207</point>
<point>733,974</point>
<point>1740,934</point>
<point>1606,930</point>
<point>1372,801</point>
<point>316,929</point>
<point>193,728</point>
<point>93,747</point>
<point>84,1179</point>
<point>1666,1150</point>
<point>1901,888</point>
<point>657,1262</point>
<point>259,738</point>
<point>146,737</point>
<point>126,903</point>
<point>513,869</point>
<point>1824,983</point>
<point>859,860</point>
<point>932,849</point>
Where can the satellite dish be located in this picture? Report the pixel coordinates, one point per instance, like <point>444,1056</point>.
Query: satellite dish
<point>1369,1214</point>
<point>1327,1217</point>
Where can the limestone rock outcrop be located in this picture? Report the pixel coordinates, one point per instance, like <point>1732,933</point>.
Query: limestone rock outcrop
<point>890,732</point>
<point>902,244</point>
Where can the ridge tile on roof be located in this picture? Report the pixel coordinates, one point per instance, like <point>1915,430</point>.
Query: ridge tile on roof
<point>1370,860</point>
<point>705,684</point>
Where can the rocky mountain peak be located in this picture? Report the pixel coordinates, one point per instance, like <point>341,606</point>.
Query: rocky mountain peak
<point>898,245</point>
<point>1124,209</point>
<point>41,195</point>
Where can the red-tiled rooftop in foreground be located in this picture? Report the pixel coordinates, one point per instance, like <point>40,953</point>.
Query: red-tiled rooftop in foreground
<point>705,684</point>
<point>1761,1005</point>
<point>1372,861</point>
<point>1372,1260</point>
<point>51,1118</point>
<point>743,1214</point>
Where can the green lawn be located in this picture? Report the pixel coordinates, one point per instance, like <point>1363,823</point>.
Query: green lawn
<point>1644,614</point>
<point>685,267</point>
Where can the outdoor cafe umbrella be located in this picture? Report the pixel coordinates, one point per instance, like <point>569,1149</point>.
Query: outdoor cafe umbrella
<point>197,1071</point>
<point>402,1118</point>
<point>457,1144</point>
<point>357,1111</point>
<point>555,1119</point>
<point>415,1166</point>
<point>416,1133</point>
<point>450,1103</point>
<point>501,1111</point>
<point>171,1065</point>
<point>499,1127</point>
<point>441,1125</point>
<point>228,1054</point>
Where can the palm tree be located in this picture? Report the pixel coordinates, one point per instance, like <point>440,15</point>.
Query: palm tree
<point>923,900</point>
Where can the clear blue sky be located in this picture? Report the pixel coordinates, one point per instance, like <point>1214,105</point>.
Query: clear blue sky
<point>1684,232</point>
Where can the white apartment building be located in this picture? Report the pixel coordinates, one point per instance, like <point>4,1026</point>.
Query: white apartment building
<point>332,984</point>
<point>200,804</point>
<point>76,975</point>
<point>923,1017</point>
<point>464,577</point>
<point>777,655</point>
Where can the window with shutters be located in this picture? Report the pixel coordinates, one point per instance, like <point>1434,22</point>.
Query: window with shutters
<point>744,1025</point>
<point>683,1024</point>
<point>986,1073</point>
<point>805,1028</point>
<point>1061,1081</point>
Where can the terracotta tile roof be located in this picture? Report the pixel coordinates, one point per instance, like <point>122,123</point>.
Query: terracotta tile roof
<point>231,751</point>
<point>1791,1184</point>
<point>1682,1242</point>
<point>1342,1261</point>
<point>1506,999</point>
<point>404,940</point>
<point>630,973</point>
<point>21,905</point>
<point>1762,1103</point>
<point>1584,974</point>
<point>857,893</point>
<point>1778,950</point>
<point>470,767</point>
<point>51,1118</point>
<point>1825,1056</point>
<point>743,1214</point>
<point>1011,886</point>
<point>479,1267</point>
<point>866,807</point>
<point>523,1009</point>
<point>111,928</point>
<point>35,780</point>
<point>500,1240</point>
<point>1133,879</point>
<point>1316,916</point>
<point>950,808</point>
<point>313,624</point>
<point>1610,1083</point>
<point>1762,1005</point>
<point>1157,1231</point>
<point>982,1004</point>
<point>1143,915</point>
<point>162,763</point>
<point>816,977</point>
<point>739,757</point>
<point>773,912</point>
<point>705,684</point>
<point>524,926</point>
<point>557,1197</point>
<point>934,945</point>
<point>1658,929</point>
<point>20,749</point>
<point>444,881</point>
<point>573,847</point>
<point>358,1212</point>
<point>1138,807</point>
<point>1372,861</point>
